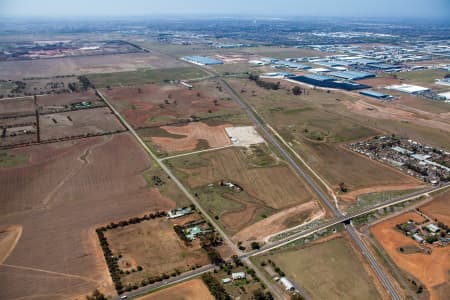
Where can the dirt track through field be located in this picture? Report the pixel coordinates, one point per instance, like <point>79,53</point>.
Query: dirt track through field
<point>88,187</point>
<point>275,223</point>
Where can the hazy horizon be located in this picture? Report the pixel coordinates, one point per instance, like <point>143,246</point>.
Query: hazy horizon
<point>431,9</point>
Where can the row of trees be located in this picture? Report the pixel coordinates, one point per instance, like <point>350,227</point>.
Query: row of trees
<point>264,84</point>
<point>208,242</point>
<point>215,287</point>
<point>111,260</point>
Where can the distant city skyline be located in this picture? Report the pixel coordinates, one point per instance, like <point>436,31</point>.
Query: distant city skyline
<point>438,9</point>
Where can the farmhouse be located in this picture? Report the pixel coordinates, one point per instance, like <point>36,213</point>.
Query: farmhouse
<point>238,275</point>
<point>287,284</point>
<point>193,232</point>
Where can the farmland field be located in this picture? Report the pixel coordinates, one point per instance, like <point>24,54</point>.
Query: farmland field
<point>156,105</point>
<point>329,269</point>
<point>190,290</point>
<point>67,99</point>
<point>59,197</point>
<point>144,76</point>
<point>155,247</point>
<point>85,65</point>
<point>80,122</point>
<point>416,264</point>
<point>268,185</point>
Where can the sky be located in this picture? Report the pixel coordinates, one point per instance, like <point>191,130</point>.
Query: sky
<point>321,8</point>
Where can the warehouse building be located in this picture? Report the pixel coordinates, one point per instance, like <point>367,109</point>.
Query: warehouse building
<point>202,60</point>
<point>376,95</point>
<point>328,82</point>
<point>408,88</point>
<point>352,75</point>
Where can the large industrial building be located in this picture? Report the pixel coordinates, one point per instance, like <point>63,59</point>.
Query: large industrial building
<point>328,82</point>
<point>202,60</point>
<point>408,88</point>
<point>376,95</point>
<point>352,75</point>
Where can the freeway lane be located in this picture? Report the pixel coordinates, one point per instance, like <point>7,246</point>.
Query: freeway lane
<point>324,199</point>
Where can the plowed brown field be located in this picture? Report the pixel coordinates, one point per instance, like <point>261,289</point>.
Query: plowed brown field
<point>193,132</point>
<point>59,198</point>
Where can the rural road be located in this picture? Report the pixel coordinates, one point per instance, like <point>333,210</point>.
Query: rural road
<point>173,280</point>
<point>192,199</point>
<point>245,256</point>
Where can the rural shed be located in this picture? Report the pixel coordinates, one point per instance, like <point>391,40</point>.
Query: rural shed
<point>238,275</point>
<point>287,284</point>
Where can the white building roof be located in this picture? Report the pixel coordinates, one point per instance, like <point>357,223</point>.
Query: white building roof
<point>238,275</point>
<point>445,95</point>
<point>408,88</point>
<point>287,284</point>
<point>315,70</point>
<point>433,228</point>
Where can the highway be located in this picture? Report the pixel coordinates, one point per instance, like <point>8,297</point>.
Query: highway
<point>339,217</point>
<point>324,199</point>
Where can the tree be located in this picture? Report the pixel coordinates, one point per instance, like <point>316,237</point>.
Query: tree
<point>261,295</point>
<point>343,187</point>
<point>96,295</point>
<point>297,297</point>
<point>255,245</point>
<point>296,90</point>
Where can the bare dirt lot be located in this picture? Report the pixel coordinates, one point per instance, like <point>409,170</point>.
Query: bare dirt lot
<point>155,247</point>
<point>85,64</point>
<point>80,122</point>
<point>191,134</point>
<point>280,221</point>
<point>66,191</point>
<point>189,290</point>
<point>432,270</point>
<point>155,104</point>
<point>439,208</point>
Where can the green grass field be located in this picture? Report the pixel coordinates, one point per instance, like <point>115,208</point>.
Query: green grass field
<point>329,270</point>
<point>6,87</point>
<point>421,76</point>
<point>8,160</point>
<point>144,76</point>
<point>372,199</point>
